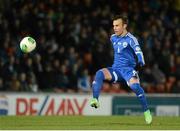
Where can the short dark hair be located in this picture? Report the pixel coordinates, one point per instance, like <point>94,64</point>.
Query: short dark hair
<point>124,18</point>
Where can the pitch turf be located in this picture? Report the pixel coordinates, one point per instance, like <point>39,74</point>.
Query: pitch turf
<point>87,122</point>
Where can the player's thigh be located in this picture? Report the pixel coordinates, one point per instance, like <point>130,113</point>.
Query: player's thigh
<point>114,75</point>
<point>107,74</point>
<point>131,76</point>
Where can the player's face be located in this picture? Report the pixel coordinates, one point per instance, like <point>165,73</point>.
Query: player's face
<point>118,26</point>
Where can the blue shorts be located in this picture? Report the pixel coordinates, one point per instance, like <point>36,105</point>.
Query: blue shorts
<point>126,73</point>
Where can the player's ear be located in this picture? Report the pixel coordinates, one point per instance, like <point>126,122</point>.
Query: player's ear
<point>125,26</point>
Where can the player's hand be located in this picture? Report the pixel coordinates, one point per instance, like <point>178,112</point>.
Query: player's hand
<point>141,64</point>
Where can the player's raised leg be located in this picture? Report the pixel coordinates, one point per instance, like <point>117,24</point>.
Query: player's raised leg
<point>135,86</point>
<point>101,75</point>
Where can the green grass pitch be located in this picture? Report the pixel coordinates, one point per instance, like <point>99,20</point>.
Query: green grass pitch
<point>87,122</point>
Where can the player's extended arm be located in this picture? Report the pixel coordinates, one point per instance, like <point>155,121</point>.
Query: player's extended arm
<point>137,49</point>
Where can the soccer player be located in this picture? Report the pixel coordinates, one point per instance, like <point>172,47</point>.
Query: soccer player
<point>127,56</point>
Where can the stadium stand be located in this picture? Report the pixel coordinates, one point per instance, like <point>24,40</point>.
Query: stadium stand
<point>69,50</point>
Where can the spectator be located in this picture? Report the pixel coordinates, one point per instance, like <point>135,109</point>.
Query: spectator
<point>23,81</point>
<point>32,84</point>
<point>176,87</point>
<point>84,82</point>
<point>2,87</point>
<point>61,80</point>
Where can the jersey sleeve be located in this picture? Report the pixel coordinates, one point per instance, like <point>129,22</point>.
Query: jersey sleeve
<point>137,49</point>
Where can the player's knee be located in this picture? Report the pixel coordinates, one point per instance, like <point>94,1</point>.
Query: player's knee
<point>107,74</point>
<point>99,75</point>
<point>133,80</point>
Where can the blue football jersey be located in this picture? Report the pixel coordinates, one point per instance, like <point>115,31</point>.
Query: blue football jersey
<point>126,49</point>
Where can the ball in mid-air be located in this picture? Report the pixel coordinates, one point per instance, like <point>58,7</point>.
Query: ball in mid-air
<point>27,44</point>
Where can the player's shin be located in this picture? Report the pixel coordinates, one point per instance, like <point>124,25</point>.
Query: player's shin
<point>97,84</point>
<point>140,94</point>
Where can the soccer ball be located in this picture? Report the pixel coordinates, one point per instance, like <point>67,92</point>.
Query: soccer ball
<point>27,44</point>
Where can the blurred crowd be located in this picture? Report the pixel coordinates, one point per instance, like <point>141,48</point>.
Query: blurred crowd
<point>73,43</point>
